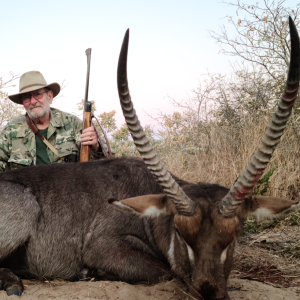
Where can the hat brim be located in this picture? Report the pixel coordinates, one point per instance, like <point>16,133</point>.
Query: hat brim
<point>17,98</point>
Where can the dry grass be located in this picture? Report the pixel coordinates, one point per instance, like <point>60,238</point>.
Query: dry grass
<point>229,151</point>
<point>255,268</point>
<point>270,256</point>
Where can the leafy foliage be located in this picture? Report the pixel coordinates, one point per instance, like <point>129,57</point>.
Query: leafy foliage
<point>80,105</point>
<point>122,142</point>
<point>263,184</point>
<point>108,121</point>
<point>251,227</point>
<point>293,219</point>
<point>8,109</point>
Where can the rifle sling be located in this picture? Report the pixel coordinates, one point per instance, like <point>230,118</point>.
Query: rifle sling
<point>35,130</point>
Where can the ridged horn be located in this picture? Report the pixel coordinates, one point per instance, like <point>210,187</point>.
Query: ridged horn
<point>185,206</point>
<point>255,168</point>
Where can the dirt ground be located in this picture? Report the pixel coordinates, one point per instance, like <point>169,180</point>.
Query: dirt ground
<point>266,267</point>
<point>173,290</point>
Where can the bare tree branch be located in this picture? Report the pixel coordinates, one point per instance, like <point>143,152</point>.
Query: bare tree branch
<point>262,35</point>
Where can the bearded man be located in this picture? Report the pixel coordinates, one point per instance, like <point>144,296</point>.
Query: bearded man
<point>61,132</point>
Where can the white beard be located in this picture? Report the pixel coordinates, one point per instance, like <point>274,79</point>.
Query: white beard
<point>41,112</point>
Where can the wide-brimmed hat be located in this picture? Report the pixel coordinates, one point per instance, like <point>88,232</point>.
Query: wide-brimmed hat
<point>31,81</point>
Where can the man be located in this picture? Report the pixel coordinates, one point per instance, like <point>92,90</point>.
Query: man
<point>20,147</point>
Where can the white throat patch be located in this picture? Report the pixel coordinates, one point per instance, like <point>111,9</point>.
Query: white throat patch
<point>171,256</point>
<point>224,255</point>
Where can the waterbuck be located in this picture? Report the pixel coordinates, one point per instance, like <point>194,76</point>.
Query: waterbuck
<point>128,219</point>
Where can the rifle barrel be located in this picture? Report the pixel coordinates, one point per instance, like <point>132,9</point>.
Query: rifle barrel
<point>85,151</point>
<point>88,53</point>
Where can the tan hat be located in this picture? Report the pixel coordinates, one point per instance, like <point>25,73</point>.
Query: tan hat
<point>31,81</point>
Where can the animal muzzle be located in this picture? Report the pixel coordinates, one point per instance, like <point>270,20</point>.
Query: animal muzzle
<point>208,290</point>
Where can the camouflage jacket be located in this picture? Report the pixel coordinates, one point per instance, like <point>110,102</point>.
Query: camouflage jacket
<point>17,141</point>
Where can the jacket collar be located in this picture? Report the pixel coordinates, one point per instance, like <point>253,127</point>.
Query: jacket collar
<point>57,119</point>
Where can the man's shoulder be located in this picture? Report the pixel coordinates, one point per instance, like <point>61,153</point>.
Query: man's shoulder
<point>64,116</point>
<point>15,123</point>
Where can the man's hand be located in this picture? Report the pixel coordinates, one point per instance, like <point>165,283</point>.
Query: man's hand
<point>89,137</point>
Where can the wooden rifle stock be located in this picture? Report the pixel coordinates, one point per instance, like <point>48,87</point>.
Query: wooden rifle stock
<point>85,151</point>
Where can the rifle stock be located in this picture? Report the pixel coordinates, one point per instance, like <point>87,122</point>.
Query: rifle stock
<point>85,151</point>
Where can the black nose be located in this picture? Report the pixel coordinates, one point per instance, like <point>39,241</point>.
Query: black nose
<point>111,200</point>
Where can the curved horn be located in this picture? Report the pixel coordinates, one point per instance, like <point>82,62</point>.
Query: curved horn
<point>184,205</point>
<point>267,145</point>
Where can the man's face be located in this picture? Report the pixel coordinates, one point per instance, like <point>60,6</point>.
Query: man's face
<point>37,103</point>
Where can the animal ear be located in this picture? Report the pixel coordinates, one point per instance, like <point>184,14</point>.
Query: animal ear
<point>146,206</point>
<point>262,207</point>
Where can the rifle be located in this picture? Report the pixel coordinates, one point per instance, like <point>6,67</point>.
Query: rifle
<point>85,151</point>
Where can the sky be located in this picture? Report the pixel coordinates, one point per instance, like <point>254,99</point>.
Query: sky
<point>169,48</point>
